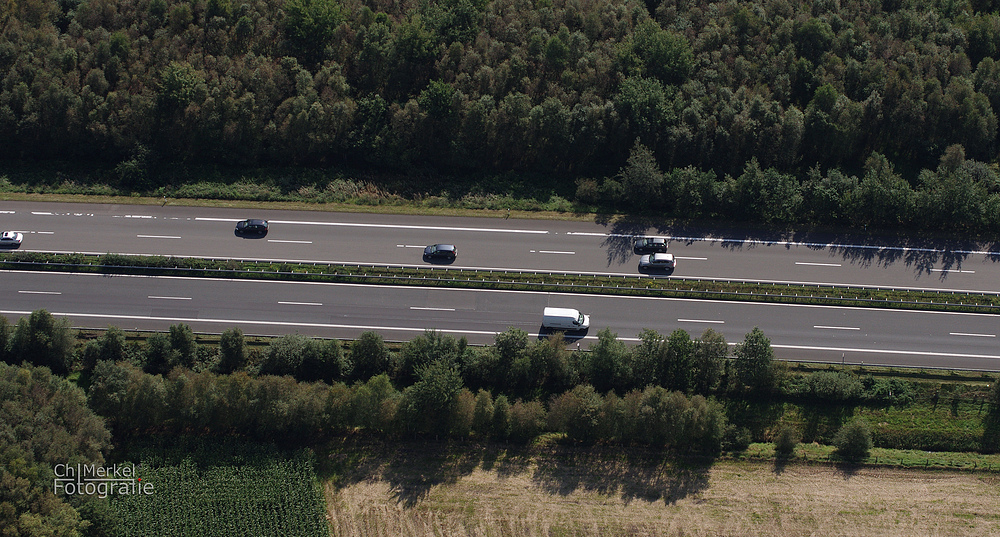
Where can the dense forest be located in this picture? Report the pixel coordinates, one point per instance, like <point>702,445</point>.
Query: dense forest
<point>812,95</point>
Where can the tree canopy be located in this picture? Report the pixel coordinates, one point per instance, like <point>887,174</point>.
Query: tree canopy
<point>556,87</point>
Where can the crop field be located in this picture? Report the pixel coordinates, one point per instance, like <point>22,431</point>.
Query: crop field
<point>224,493</point>
<point>595,492</point>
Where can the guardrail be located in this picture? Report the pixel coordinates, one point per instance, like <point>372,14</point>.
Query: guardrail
<point>596,283</point>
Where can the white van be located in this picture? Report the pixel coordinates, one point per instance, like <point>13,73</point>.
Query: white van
<point>564,319</point>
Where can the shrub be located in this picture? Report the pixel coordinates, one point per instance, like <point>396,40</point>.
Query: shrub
<point>890,392</point>
<point>111,346</point>
<point>527,420</point>
<point>853,441</point>
<point>833,386</point>
<point>785,440</point>
<point>736,439</point>
<point>588,191</point>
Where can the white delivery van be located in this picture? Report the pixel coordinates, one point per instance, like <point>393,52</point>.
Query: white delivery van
<point>564,319</point>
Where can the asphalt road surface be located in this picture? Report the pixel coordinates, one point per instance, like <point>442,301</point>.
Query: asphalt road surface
<point>849,335</point>
<point>812,333</point>
<point>579,247</point>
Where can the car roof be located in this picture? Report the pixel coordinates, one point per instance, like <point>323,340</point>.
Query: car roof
<point>661,256</point>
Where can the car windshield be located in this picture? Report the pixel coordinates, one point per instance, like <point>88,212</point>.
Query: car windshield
<point>579,320</point>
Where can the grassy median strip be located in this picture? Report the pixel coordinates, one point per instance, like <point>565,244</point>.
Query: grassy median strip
<point>509,280</point>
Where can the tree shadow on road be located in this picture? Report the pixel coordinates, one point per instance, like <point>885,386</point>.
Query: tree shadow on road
<point>925,254</point>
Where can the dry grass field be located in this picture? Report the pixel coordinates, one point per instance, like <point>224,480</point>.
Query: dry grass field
<point>575,492</point>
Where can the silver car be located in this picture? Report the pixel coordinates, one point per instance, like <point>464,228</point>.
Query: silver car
<point>10,239</point>
<point>657,261</point>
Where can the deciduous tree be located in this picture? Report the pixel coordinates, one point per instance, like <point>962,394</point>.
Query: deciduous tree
<point>43,340</point>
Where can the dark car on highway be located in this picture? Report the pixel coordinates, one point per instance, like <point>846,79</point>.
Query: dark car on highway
<point>251,227</point>
<point>650,245</point>
<point>441,251</point>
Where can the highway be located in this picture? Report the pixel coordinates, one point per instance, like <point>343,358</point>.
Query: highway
<point>579,247</point>
<point>813,333</point>
<point>848,335</point>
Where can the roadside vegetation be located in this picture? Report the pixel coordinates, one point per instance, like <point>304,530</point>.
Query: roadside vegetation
<point>240,418</point>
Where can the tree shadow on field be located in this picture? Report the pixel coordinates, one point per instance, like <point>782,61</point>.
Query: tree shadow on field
<point>780,463</point>
<point>926,254</point>
<point>631,474</point>
<point>412,468</point>
<point>847,470</point>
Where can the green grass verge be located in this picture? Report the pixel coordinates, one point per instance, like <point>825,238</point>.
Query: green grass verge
<point>507,280</point>
<point>899,458</point>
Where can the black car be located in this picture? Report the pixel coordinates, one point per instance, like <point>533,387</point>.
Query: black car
<point>650,245</point>
<point>441,251</point>
<point>251,227</point>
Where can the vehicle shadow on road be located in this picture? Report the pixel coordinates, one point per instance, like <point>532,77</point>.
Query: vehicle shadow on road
<point>439,260</point>
<point>925,254</point>
<point>570,336</point>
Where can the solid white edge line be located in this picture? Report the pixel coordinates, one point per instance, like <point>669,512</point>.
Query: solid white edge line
<point>388,226</point>
<point>886,351</point>
<point>159,236</point>
<point>819,264</point>
<point>970,335</point>
<point>289,241</point>
<point>40,292</point>
<point>555,252</point>
<point>431,309</point>
<point>835,327</point>
<point>699,321</point>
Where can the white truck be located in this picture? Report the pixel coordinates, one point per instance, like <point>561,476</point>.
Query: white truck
<point>564,319</point>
